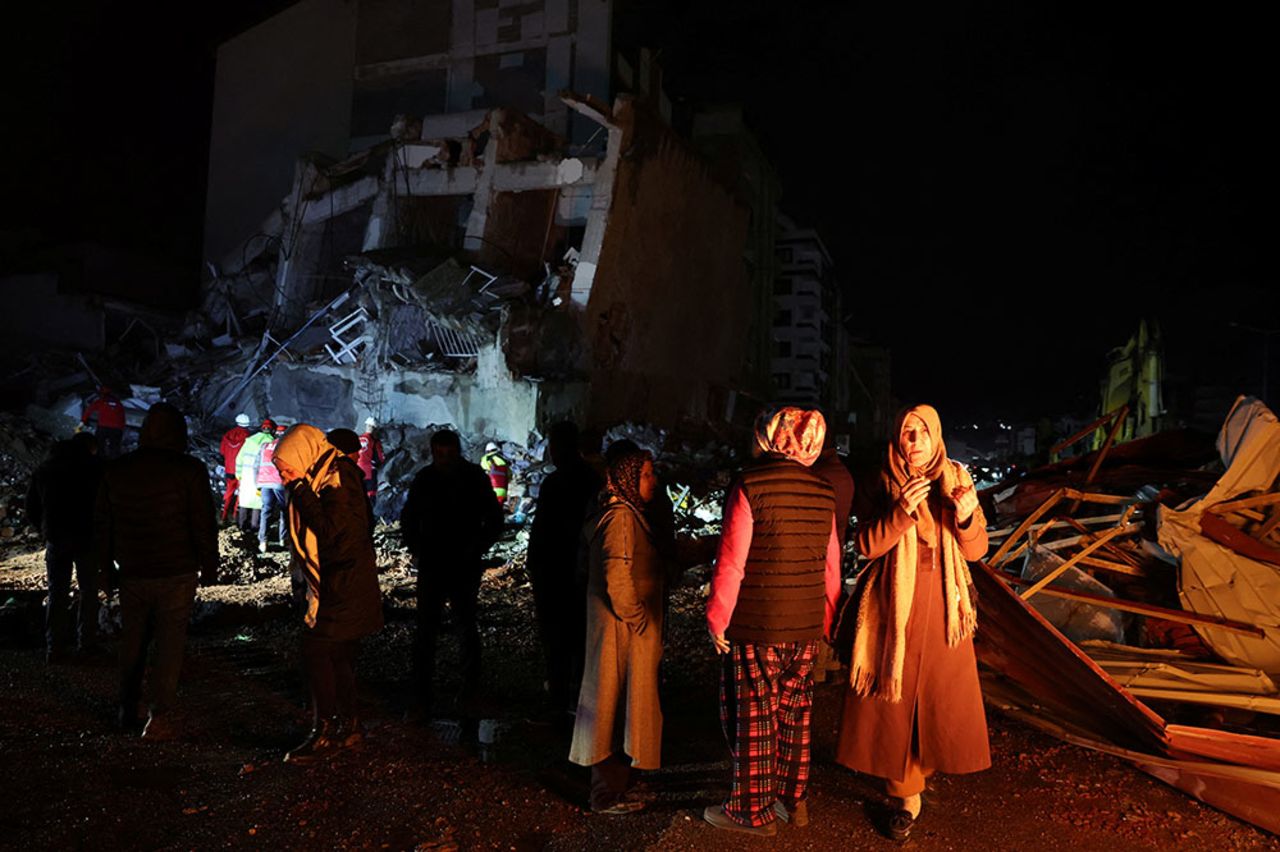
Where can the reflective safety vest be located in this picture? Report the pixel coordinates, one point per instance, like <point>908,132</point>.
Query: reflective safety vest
<point>499,470</point>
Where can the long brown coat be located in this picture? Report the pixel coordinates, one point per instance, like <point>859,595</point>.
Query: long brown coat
<point>941,698</point>
<point>624,642</point>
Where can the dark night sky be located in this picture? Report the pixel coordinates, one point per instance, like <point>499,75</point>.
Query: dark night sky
<point>1005,188</point>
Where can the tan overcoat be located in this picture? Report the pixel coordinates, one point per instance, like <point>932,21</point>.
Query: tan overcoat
<point>941,698</point>
<point>618,708</point>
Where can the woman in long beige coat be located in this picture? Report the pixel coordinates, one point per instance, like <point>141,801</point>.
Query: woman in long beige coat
<point>619,719</point>
<point>914,705</point>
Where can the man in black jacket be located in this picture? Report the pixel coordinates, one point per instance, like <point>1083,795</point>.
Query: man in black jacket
<point>449,521</point>
<point>60,504</point>
<point>156,520</point>
<point>559,600</point>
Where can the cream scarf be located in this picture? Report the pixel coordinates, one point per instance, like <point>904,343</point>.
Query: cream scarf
<point>880,638</point>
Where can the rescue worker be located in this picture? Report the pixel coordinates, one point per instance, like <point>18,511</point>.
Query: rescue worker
<point>250,510</point>
<point>109,413</point>
<point>271,491</point>
<point>499,470</point>
<point>232,441</point>
<point>371,457</point>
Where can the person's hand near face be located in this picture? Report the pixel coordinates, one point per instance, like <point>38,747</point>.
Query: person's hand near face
<point>966,500</point>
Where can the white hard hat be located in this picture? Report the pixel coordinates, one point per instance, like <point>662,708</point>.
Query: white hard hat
<point>490,447</point>
<point>370,422</point>
<point>242,419</point>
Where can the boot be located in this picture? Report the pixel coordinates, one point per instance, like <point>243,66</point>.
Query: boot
<point>348,733</point>
<point>319,744</point>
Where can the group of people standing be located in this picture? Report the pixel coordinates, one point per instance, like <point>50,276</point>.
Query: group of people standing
<point>601,562</point>
<point>913,705</point>
<point>254,493</point>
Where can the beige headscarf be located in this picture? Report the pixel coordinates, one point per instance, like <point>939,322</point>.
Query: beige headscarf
<point>305,448</point>
<point>796,433</point>
<point>880,640</point>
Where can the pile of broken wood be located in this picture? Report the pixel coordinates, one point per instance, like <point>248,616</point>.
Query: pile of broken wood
<point>1145,621</point>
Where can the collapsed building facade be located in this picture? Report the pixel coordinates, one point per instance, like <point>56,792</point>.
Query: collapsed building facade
<point>478,275</point>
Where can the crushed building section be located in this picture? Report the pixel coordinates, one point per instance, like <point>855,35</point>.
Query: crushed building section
<point>496,282</point>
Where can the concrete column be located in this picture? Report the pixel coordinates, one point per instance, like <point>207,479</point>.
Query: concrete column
<point>380,232</point>
<point>479,218</point>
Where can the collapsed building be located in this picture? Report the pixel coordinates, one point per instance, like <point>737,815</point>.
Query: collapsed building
<point>476,275</point>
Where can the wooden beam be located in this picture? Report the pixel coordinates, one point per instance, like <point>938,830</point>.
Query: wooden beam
<point>1115,552</point>
<point>1026,524</point>
<point>1120,414</point>
<point>1083,433</point>
<point>1267,499</point>
<point>1268,525</point>
<point>1115,567</point>
<point>1178,615</point>
<point>1056,572</point>
<point>1063,543</point>
<point>1092,497</point>
<point>1090,521</point>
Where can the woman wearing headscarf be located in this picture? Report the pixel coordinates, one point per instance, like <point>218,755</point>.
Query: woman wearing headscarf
<point>619,718</point>
<point>773,596</point>
<point>914,705</point>
<point>331,532</point>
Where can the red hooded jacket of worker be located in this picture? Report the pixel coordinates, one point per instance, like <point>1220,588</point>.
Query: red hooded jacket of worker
<point>371,455</point>
<point>108,409</point>
<point>232,441</point>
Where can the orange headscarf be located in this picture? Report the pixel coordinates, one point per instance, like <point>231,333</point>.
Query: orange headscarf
<point>797,433</point>
<point>900,470</point>
<point>305,448</point>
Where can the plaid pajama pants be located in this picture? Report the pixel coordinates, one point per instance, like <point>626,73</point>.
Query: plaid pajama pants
<point>766,700</point>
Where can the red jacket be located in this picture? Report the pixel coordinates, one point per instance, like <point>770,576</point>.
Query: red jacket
<point>231,444</point>
<point>371,456</point>
<point>110,412</point>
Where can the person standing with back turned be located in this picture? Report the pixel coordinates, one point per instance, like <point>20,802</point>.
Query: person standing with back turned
<point>773,597</point>
<point>155,517</point>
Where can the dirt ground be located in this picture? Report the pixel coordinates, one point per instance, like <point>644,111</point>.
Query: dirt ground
<point>69,779</point>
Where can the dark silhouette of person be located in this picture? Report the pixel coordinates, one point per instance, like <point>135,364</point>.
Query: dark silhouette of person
<point>565,499</point>
<point>60,504</point>
<point>156,518</point>
<point>450,519</point>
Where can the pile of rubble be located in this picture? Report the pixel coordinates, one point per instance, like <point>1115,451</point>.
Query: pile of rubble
<point>22,449</point>
<point>1132,604</point>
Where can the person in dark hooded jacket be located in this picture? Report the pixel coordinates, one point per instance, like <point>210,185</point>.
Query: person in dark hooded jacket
<point>155,518</point>
<point>60,503</point>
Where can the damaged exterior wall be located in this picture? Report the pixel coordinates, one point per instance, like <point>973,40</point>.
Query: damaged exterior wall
<point>451,56</point>
<point>670,303</point>
<point>738,161</point>
<point>488,402</point>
